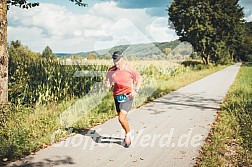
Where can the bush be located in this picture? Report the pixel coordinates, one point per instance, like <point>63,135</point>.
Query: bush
<point>220,54</point>
<point>4,111</point>
<point>248,58</point>
<point>192,63</point>
<point>224,60</point>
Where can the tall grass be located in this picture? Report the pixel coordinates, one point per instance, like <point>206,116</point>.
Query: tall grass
<point>39,81</point>
<point>229,142</point>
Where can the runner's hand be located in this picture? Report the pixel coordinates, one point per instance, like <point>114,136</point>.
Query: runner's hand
<point>134,93</point>
<point>107,84</point>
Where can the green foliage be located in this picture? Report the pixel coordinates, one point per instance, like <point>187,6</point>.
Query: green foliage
<point>152,71</point>
<point>26,130</point>
<point>48,53</point>
<point>221,54</point>
<point>191,63</point>
<point>246,51</point>
<point>248,58</point>
<point>4,113</point>
<point>167,51</point>
<point>34,80</point>
<point>26,5</point>
<point>197,65</point>
<point>207,25</point>
<point>79,3</point>
<point>239,104</point>
<point>21,3</point>
<point>92,56</point>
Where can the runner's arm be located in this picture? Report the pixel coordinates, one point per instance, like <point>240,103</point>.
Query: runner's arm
<point>137,87</point>
<point>107,83</point>
<point>139,83</point>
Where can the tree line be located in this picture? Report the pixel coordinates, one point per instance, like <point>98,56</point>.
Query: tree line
<point>216,29</point>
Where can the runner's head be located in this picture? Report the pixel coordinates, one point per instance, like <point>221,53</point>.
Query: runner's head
<point>117,55</point>
<point>117,58</point>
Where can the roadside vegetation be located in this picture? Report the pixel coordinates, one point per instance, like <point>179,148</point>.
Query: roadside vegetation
<point>40,90</point>
<point>229,141</point>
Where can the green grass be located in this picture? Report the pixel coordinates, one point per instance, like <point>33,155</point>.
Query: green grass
<point>229,142</point>
<point>30,129</point>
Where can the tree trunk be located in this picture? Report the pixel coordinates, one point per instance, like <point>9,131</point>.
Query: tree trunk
<point>3,53</point>
<point>205,58</point>
<point>232,55</point>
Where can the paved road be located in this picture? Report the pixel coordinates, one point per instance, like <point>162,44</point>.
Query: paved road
<point>168,131</point>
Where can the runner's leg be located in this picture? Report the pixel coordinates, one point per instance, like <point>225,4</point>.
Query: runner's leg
<point>125,125</point>
<point>122,119</point>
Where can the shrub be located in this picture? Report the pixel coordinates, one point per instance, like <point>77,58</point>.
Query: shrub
<point>248,58</point>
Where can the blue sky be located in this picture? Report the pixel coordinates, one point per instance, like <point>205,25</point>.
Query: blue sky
<point>68,28</point>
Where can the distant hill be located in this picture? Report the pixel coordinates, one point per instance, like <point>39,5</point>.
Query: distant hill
<point>145,51</point>
<point>63,54</point>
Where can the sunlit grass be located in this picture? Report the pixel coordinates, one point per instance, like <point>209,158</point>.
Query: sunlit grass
<point>229,142</point>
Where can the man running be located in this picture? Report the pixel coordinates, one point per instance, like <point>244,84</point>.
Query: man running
<point>126,82</point>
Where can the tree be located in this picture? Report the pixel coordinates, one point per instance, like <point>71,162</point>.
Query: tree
<point>48,53</point>
<point>192,24</point>
<point>4,6</point>
<point>167,51</point>
<point>16,43</point>
<point>207,25</point>
<point>246,51</point>
<point>230,26</point>
<point>92,56</point>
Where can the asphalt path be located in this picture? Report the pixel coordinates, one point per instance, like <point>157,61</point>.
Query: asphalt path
<point>167,132</point>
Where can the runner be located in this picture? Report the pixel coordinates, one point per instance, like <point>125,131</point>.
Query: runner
<point>126,83</point>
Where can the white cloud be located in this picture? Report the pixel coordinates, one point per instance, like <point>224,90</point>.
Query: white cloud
<point>65,31</point>
<point>124,31</point>
<point>160,32</point>
<point>249,18</point>
<point>28,36</point>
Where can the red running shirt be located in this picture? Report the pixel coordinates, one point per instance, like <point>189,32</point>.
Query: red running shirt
<point>123,80</point>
